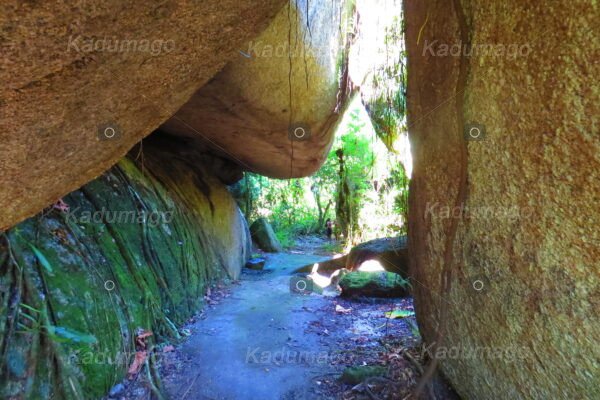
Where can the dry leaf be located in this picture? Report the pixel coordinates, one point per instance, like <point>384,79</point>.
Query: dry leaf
<point>342,310</point>
<point>168,349</point>
<point>138,361</point>
<point>139,338</point>
<point>60,205</point>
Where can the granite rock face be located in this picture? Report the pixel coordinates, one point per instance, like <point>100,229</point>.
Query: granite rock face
<point>264,236</point>
<point>391,253</point>
<point>289,80</point>
<point>83,82</point>
<point>522,305</point>
<point>136,248</point>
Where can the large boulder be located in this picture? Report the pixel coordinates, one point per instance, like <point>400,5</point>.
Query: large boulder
<point>290,77</point>
<point>82,82</point>
<point>373,284</point>
<point>136,248</point>
<point>264,236</point>
<point>391,253</point>
<point>257,263</point>
<point>326,266</point>
<point>521,310</point>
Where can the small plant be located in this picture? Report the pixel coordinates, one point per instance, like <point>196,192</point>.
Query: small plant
<point>333,247</point>
<point>362,187</point>
<point>37,322</point>
<point>286,238</point>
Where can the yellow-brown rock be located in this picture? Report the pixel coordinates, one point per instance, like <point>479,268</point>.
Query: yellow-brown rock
<point>290,77</point>
<point>523,304</point>
<point>69,70</point>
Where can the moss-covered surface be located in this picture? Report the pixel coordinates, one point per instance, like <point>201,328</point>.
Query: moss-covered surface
<point>374,284</point>
<point>135,250</point>
<point>378,65</point>
<point>358,374</point>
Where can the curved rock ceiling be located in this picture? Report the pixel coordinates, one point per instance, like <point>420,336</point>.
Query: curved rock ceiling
<point>286,80</point>
<point>71,73</point>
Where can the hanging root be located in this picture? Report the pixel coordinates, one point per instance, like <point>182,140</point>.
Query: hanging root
<point>153,377</point>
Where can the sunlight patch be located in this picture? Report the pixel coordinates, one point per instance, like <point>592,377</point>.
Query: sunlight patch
<point>319,280</point>
<point>371,266</point>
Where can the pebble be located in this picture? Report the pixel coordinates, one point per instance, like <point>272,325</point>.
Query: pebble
<point>116,390</point>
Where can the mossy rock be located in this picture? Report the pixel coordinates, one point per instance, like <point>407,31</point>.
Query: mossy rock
<point>358,374</point>
<point>136,249</point>
<point>391,253</point>
<point>374,284</point>
<point>263,235</point>
<point>256,264</point>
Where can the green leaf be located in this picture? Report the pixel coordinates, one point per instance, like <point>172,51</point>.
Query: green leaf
<point>41,258</point>
<point>29,307</point>
<point>414,329</point>
<point>62,334</point>
<point>399,314</point>
<point>29,317</point>
<point>25,328</point>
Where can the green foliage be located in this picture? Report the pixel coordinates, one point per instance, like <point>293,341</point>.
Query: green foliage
<point>362,186</point>
<point>332,247</point>
<point>41,258</point>
<point>387,103</point>
<point>396,314</point>
<point>285,237</point>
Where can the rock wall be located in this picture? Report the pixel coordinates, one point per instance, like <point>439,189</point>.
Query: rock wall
<point>522,320</point>
<point>289,77</point>
<point>71,70</point>
<point>137,248</point>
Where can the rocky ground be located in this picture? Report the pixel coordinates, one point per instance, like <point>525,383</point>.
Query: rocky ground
<point>258,339</point>
<point>319,245</point>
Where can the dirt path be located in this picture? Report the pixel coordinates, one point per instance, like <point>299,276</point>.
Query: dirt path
<point>263,342</point>
<point>232,353</point>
